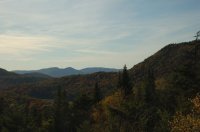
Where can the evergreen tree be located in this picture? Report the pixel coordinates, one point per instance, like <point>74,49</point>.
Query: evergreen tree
<point>2,105</point>
<point>151,102</point>
<point>119,84</point>
<point>149,87</point>
<point>80,111</point>
<point>61,111</point>
<point>97,93</point>
<point>126,85</point>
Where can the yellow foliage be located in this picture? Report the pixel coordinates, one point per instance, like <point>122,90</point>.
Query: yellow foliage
<point>196,103</point>
<point>189,122</point>
<point>186,123</point>
<point>114,100</point>
<point>100,112</point>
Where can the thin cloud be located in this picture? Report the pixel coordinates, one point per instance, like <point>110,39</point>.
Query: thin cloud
<point>16,44</point>
<point>92,51</point>
<point>92,32</point>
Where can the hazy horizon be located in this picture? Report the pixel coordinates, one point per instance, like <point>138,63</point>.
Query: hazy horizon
<point>64,68</point>
<point>36,34</point>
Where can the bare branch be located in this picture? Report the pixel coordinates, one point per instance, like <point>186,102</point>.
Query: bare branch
<point>197,35</point>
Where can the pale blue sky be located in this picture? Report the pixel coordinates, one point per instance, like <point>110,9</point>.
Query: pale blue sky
<point>37,34</point>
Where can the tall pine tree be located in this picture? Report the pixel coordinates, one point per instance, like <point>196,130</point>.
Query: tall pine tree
<point>151,101</point>
<point>97,93</point>
<point>149,87</point>
<point>119,84</point>
<point>125,82</point>
<point>61,111</point>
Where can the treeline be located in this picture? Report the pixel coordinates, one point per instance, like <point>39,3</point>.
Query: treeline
<point>133,107</point>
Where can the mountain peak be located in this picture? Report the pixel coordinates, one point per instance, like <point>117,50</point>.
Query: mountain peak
<point>70,68</point>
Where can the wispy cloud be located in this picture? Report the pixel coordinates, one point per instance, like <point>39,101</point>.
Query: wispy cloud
<point>18,44</point>
<point>93,51</point>
<point>92,32</point>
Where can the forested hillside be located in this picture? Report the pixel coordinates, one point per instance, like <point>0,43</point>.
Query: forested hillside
<point>169,59</point>
<point>159,94</point>
<point>10,79</point>
<point>73,85</point>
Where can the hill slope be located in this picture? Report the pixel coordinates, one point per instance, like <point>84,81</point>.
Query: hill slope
<point>6,73</point>
<point>74,85</point>
<point>168,59</point>
<point>10,79</point>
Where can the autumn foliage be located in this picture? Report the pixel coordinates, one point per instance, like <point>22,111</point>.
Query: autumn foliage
<point>189,122</point>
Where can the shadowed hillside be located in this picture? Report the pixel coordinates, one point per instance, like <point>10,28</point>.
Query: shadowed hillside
<point>10,79</point>
<point>74,85</point>
<point>168,59</point>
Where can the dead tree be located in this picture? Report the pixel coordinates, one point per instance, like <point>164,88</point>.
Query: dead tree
<point>197,35</point>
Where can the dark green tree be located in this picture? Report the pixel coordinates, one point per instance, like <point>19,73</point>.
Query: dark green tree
<point>149,87</point>
<point>80,111</point>
<point>151,102</point>
<point>61,111</point>
<point>126,84</point>
<point>97,93</point>
<point>119,83</point>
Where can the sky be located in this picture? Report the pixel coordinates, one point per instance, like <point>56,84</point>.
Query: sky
<point>37,34</point>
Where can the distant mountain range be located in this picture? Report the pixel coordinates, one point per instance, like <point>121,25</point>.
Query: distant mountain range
<point>58,72</point>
